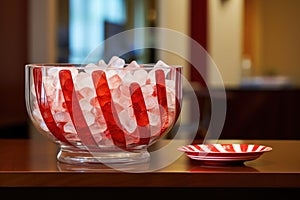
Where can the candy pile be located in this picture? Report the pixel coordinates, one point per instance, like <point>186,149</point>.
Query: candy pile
<point>106,104</point>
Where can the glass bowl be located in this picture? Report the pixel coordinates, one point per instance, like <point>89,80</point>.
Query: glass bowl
<point>99,114</point>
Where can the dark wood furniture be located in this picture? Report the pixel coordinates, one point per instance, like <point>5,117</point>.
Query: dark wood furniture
<point>255,113</point>
<point>14,17</point>
<point>262,114</point>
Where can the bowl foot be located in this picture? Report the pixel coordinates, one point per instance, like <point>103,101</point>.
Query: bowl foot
<point>111,158</point>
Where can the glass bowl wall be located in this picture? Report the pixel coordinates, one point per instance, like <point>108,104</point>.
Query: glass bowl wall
<point>103,115</point>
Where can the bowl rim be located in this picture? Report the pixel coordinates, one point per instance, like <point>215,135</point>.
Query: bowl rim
<point>82,66</point>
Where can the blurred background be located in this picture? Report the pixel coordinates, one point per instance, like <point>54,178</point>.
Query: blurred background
<point>255,45</point>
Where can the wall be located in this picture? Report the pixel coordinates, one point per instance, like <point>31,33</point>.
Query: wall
<point>225,25</point>
<point>174,14</point>
<point>274,33</point>
<point>42,31</point>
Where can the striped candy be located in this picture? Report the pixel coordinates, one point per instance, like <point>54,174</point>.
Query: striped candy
<point>152,109</point>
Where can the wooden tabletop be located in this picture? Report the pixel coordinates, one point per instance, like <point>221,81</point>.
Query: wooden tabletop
<point>32,162</point>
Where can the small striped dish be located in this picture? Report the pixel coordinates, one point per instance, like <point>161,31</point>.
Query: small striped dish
<point>224,152</point>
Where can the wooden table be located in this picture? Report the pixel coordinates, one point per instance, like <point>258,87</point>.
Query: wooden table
<point>32,163</point>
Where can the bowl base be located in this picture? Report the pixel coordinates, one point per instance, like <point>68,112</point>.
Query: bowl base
<point>111,158</point>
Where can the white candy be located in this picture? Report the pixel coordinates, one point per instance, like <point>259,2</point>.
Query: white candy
<point>116,62</point>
